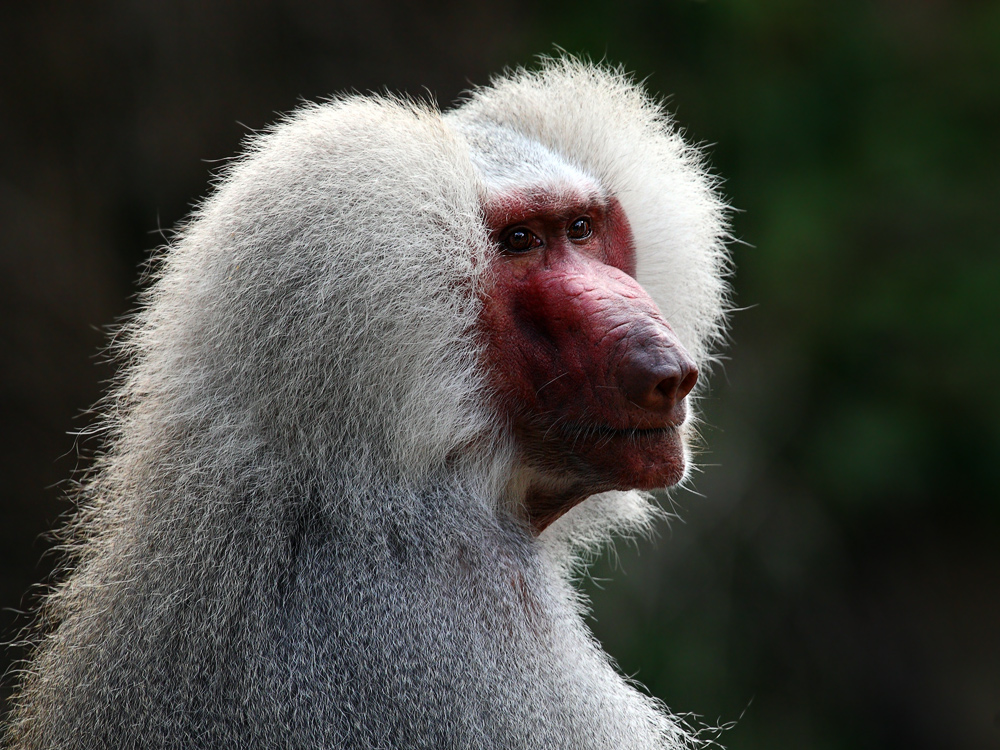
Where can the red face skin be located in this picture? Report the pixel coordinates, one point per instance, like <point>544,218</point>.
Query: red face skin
<point>590,376</point>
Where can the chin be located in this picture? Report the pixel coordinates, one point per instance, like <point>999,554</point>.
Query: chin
<point>641,459</point>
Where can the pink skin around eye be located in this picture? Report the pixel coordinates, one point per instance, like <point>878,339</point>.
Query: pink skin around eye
<point>588,373</point>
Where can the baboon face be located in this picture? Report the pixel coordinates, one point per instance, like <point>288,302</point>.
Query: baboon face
<point>590,376</point>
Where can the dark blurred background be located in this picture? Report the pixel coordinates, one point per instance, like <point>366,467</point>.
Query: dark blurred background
<point>835,583</point>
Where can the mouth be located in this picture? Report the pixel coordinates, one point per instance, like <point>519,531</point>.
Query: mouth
<point>622,433</point>
<point>597,456</point>
<point>636,457</point>
<point>636,431</point>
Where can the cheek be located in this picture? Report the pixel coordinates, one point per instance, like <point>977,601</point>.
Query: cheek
<point>619,243</point>
<point>554,346</point>
<point>518,358</point>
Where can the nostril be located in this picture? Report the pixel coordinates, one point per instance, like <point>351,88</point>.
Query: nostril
<point>688,380</point>
<point>659,384</point>
<point>675,386</point>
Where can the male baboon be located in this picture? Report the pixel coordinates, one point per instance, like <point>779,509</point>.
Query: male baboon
<point>387,384</point>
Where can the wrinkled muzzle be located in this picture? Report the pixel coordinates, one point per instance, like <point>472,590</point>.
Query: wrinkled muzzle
<point>611,358</point>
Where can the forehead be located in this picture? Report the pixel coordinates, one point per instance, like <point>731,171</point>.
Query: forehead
<point>510,164</point>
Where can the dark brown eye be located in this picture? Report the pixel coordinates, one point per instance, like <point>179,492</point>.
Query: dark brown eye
<point>520,240</point>
<point>580,229</point>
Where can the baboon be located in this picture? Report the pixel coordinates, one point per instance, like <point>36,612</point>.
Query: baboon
<point>387,387</point>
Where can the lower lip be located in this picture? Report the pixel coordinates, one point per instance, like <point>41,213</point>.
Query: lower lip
<point>635,432</point>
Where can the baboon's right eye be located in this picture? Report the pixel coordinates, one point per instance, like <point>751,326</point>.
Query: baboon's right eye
<point>520,240</point>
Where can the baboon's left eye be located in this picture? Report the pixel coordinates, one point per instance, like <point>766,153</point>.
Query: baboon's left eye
<point>580,229</point>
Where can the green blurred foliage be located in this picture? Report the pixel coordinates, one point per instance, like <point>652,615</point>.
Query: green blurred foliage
<point>838,586</point>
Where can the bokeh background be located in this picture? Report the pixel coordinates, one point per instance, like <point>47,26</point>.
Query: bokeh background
<point>835,580</point>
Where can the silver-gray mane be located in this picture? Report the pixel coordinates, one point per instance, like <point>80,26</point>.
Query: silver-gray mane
<point>302,531</point>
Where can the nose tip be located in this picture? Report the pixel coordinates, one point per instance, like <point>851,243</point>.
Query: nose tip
<point>659,380</point>
<point>677,386</point>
